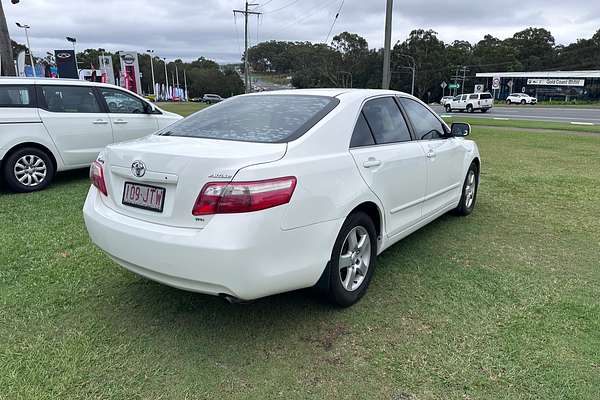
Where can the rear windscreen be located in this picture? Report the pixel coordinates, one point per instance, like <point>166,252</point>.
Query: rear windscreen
<point>264,118</point>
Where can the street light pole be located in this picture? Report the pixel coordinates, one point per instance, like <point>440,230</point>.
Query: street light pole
<point>26,28</point>
<point>414,70</point>
<point>151,52</point>
<point>385,84</point>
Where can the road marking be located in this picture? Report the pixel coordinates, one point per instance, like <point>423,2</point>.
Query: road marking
<point>582,123</point>
<point>446,116</point>
<point>501,119</point>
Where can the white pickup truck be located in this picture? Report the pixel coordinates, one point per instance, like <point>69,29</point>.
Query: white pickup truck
<point>471,102</point>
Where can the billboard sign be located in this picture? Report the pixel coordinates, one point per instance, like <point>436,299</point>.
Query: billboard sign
<point>65,64</point>
<point>556,82</point>
<point>496,83</point>
<point>478,88</point>
<point>130,71</point>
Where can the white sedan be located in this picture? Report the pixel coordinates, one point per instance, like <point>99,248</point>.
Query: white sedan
<point>272,192</point>
<point>520,98</point>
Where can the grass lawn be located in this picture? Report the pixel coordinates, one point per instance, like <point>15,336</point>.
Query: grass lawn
<point>503,304</point>
<point>184,109</point>
<point>520,123</point>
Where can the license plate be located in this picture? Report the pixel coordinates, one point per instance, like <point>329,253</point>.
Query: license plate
<point>144,196</point>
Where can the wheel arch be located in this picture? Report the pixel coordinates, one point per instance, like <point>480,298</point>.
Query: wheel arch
<point>37,146</point>
<point>374,212</point>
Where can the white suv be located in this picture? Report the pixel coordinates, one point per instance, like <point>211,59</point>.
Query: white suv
<point>520,98</point>
<point>471,102</point>
<point>50,125</point>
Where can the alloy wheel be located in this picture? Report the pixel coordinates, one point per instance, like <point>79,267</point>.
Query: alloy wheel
<point>470,188</point>
<point>30,170</point>
<point>355,258</point>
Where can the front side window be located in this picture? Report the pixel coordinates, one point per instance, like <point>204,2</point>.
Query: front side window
<point>70,99</point>
<point>16,96</point>
<point>258,118</point>
<point>424,122</point>
<point>386,121</point>
<point>119,102</point>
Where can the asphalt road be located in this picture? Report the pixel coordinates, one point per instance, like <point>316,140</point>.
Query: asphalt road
<point>555,114</point>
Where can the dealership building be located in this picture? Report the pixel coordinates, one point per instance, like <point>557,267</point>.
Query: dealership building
<point>546,85</point>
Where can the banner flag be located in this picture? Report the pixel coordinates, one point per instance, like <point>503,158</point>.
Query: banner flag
<point>107,69</point>
<point>21,64</point>
<point>65,64</point>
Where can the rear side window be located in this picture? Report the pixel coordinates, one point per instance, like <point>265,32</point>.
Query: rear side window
<point>486,96</point>
<point>473,97</point>
<point>386,121</point>
<point>425,124</point>
<point>263,118</point>
<point>362,135</point>
<point>70,99</point>
<point>16,96</point>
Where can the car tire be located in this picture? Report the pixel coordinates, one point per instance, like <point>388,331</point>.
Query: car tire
<point>508,102</point>
<point>484,110</point>
<point>27,170</point>
<point>468,197</point>
<point>349,256</point>
<point>523,102</point>
<point>470,108</point>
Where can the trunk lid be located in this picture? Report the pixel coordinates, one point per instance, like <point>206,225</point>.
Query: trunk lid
<point>182,166</point>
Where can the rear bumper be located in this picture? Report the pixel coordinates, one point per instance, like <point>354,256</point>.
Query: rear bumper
<point>242,255</point>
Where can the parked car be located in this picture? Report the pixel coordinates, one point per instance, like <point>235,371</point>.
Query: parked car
<point>521,98</point>
<point>50,125</point>
<point>471,103</point>
<point>277,191</point>
<point>446,100</point>
<point>212,98</point>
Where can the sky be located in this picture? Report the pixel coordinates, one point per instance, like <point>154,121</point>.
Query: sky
<point>188,29</point>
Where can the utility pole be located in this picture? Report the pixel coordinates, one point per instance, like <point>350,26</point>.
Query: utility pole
<point>7,65</point>
<point>246,66</point>
<point>463,80</point>
<point>385,84</point>
<point>456,82</point>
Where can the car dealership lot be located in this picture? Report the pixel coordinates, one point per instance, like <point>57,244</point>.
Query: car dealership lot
<point>501,304</point>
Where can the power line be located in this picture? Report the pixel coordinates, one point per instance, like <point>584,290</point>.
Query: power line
<point>282,8</point>
<point>334,21</point>
<point>307,16</point>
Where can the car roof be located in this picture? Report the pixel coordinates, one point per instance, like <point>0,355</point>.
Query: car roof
<point>12,80</point>
<point>346,94</point>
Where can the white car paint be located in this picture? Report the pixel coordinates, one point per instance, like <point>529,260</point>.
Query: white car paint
<point>73,139</point>
<point>254,254</point>
<point>471,102</point>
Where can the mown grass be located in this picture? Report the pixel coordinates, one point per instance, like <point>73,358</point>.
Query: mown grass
<point>520,123</point>
<point>184,109</point>
<point>502,304</point>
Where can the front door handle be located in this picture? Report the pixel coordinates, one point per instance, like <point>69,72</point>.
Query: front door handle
<point>371,162</point>
<point>120,121</point>
<point>100,122</point>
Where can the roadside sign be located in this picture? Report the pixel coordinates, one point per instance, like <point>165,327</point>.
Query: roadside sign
<point>510,84</point>
<point>454,86</point>
<point>496,83</point>
<point>478,88</point>
<point>444,85</point>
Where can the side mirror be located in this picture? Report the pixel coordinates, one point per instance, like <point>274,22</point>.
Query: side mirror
<point>460,129</point>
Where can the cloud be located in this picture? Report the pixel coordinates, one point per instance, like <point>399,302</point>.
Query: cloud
<point>188,29</point>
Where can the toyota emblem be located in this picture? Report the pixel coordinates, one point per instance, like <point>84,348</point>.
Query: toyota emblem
<point>138,168</point>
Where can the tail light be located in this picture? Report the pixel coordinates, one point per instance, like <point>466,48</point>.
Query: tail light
<point>97,177</point>
<point>241,197</point>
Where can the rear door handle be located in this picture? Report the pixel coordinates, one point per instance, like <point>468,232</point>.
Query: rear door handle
<point>120,121</point>
<point>100,122</point>
<point>371,162</point>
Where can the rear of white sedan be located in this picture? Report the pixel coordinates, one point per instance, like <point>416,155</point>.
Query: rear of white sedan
<point>272,192</point>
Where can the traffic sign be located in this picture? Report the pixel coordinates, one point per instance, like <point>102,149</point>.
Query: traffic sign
<point>454,86</point>
<point>510,84</point>
<point>496,83</point>
<point>444,85</point>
